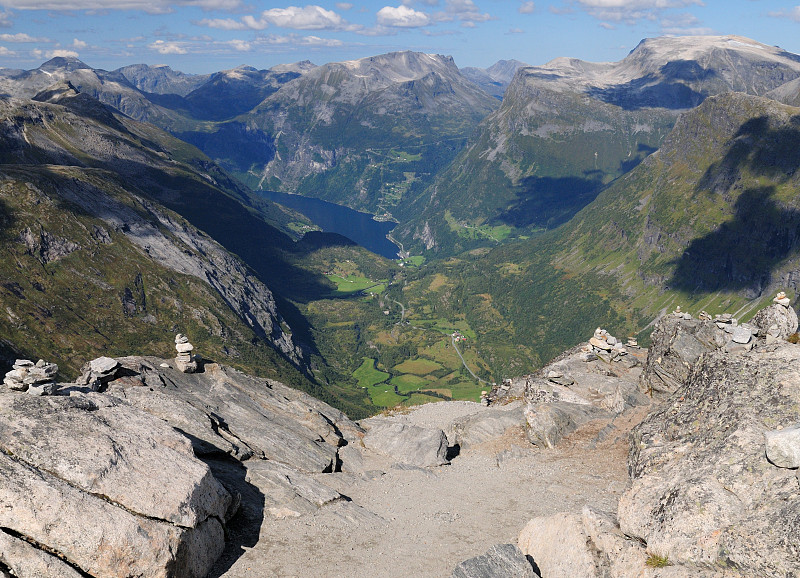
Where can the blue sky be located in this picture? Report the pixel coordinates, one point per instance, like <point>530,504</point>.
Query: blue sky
<point>200,36</point>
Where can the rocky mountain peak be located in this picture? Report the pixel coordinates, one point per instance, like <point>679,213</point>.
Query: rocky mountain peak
<point>65,64</point>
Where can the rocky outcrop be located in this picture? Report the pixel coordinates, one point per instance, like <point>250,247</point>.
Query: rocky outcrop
<point>501,561</point>
<point>110,489</point>
<point>706,445</point>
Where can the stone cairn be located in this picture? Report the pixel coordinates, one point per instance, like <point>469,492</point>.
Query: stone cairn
<point>35,378</point>
<point>98,372</point>
<point>184,361</point>
<point>604,346</point>
<point>681,314</point>
<point>781,299</point>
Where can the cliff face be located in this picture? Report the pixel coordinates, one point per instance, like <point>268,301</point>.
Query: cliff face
<point>91,244</point>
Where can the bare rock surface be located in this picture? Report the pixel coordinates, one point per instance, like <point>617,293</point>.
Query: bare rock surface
<point>407,444</point>
<point>703,492</point>
<point>25,560</point>
<point>500,561</point>
<point>777,319</point>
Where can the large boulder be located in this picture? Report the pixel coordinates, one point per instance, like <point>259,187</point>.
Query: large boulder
<point>484,426</point>
<point>776,320</point>
<point>549,423</point>
<point>408,444</point>
<point>703,492</point>
<point>115,491</point>
<point>23,559</point>
<point>677,344</point>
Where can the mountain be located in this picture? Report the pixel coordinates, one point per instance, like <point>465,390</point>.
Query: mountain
<point>566,129</point>
<point>91,205</point>
<point>364,133</point>
<point>708,222</point>
<point>495,79</point>
<point>233,92</point>
<point>161,79</point>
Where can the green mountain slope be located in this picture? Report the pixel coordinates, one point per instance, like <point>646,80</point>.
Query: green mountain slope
<point>566,129</point>
<point>710,221</point>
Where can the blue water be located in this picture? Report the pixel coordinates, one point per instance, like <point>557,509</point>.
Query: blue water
<point>333,218</point>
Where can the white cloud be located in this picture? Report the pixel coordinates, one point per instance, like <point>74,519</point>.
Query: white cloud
<point>58,52</point>
<point>515,31</point>
<point>5,20</point>
<point>6,52</point>
<point>631,11</point>
<point>793,14</point>
<point>222,23</point>
<point>240,45</point>
<point>79,44</point>
<point>21,37</point>
<point>527,8</point>
<point>306,18</point>
<point>344,6</point>
<point>152,6</point>
<point>466,11</point>
<point>402,17</point>
<point>163,47</point>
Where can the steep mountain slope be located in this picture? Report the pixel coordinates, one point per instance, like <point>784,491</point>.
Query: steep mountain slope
<point>495,79</point>
<point>710,221</point>
<point>365,132</point>
<point>89,247</point>
<point>566,129</point>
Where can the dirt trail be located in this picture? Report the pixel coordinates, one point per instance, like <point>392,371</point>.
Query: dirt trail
<point>422,522</point>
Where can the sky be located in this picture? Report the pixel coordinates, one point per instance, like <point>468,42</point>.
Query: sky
<point>203,36</point>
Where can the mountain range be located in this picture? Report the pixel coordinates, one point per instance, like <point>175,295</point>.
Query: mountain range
<point>569,191</point>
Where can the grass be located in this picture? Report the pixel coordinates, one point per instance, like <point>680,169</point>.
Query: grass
<point>367,375</point>
<point>354,284</point>
<point>656,561</point>
<point>418,366</point>
<point>409,382</point>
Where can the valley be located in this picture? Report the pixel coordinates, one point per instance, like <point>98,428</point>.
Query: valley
<point>524,217</point>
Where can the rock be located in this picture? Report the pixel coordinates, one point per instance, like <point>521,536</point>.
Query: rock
<point>184,347</point>
<point>25,560</point>
<point>676,346</point>
<point>250,417</point>
<point>55,491</point>
<point>781,299</point>
<point>706,446</point>
<point>548,423</point>
<point>42,389</point>
<point>558,545</point>
<point>559,378</point>
<point>783,318</point>
<point>500,561</point>
<point>103,365</point>
<point>408,444</point>
<point>287,492</point>
<point>484,426</point>
<point>783,447</point>
<point>587,356</point>
<point>742,334</point>
<point>600,344</point>
<point>123,454</point>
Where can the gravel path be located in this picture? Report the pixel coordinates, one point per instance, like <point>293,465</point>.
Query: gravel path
<point>422,522</point>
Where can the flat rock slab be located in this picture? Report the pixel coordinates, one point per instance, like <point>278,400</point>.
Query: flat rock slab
<point>783,447</point>
<point>25,560</point>
<point>287,492</point>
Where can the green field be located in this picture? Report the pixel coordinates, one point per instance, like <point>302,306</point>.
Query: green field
<point>367,375</point>
<point>354,284</point>
<point>409,382</point>
<point>417,366</point>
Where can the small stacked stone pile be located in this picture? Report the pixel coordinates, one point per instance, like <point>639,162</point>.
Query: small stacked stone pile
<point>632,342</point>
<point>704,316</point>
<point>741,336</point>
<point>681,314</point>
<point>603,344</point>
<point>782,299</point>
<point>98,372</point>
<point>35,378</point>
<point>184,361</point>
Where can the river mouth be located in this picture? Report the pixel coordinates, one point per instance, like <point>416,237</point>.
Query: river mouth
<point>359,227</point>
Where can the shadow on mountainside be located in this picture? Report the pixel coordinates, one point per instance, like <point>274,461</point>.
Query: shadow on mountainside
<point>669,88</point>
<point>743,252</point>
<point>550,201</point>
<point>244,529</point>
